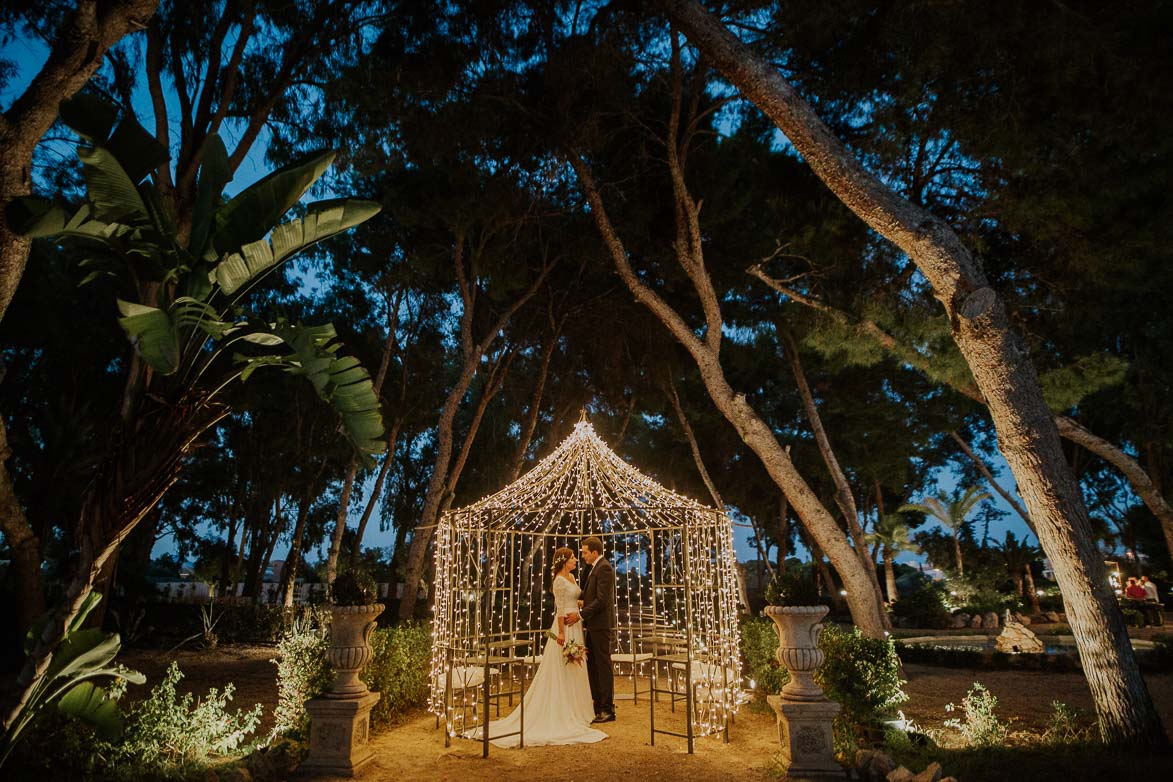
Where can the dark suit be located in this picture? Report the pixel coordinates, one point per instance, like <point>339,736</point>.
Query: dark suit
<point>598,624</point>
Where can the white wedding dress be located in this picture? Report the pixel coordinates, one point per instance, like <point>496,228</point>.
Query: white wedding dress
<point>558,706</point>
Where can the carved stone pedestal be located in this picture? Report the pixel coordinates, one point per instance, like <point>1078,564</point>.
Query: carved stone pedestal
<point>339,731</point>
<point>804,731</point>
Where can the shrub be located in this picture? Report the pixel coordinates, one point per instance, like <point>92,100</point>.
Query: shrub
<point>863,675</point>
<point>303,672</point>
<point>170,736</point>
<point>981,727</point>
<point>1068,725</point>
<point>759,647</point>
<point>355,588</point>
<point>794,587</point>
<point>923,607</point>
<point>399,671</point>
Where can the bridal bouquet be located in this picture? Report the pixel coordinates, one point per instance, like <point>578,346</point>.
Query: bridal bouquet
<point>572,651</point>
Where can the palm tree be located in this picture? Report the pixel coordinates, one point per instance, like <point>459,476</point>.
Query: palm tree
<point>951,512</point>
<point>891,534</point>
<point>192,338</point>
<point>1018,556</point>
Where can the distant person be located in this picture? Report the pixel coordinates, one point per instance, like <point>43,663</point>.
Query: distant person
<point>1136,595</point>
<point>1134,591</point>
<point>1150,589</point>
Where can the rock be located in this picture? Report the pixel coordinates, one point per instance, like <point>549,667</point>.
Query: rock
<point>932,773</point>
<point>1022,619</point>
<point>239,774</point>
<point>943,779</point>
<point>960,620</point>
<point>1052,616</point>
<point>1062,618</point>
<point>901,774</point>
<point>989,621</point>
<point>873,765</point>
<point>1018,639</point>
<point>975,623</point>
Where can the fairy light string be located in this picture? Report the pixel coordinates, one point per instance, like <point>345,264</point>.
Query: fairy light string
<point>500,549</point>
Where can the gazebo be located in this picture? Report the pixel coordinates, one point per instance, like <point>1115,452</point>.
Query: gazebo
<point>676,596</point>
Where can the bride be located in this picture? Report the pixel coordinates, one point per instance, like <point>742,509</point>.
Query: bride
<point>558,705</point>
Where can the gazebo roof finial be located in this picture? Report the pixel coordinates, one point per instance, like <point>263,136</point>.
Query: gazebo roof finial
<point>582,415</point>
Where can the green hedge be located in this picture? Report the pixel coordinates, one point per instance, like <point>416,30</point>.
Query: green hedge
<point>399,671</point>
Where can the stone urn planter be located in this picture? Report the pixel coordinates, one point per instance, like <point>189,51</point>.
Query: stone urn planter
<point>804,714</point>
<point>798,648</point>
<point>340,720</point>
<point>350,647</point>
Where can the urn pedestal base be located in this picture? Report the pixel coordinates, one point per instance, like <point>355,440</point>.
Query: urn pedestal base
<point>804,732</point>
<point>339,735</point>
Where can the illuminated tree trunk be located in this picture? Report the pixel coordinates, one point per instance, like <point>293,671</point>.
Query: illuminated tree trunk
<point>998,360</point>
<point>890,575</point>
<point>1032,592</point>
<point>844,497</point>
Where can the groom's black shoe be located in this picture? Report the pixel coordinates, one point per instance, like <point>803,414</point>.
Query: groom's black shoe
<point>606,716</point>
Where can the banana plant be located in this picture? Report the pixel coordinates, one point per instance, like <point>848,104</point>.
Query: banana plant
<point>82,657</point>
<point>188,321</point>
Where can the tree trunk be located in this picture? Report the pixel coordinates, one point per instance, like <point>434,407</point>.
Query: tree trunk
<point>76,54</point>
<point>1027,431</point>
<point>535,406</point>
<point>743,590</point>
<point>957,554</point>
<point>437,487</point>
<point>1138,479</point>
<point>1071,430</point>
<point>376,494</point>
<point>890,575</point>
<point>288,583</point>
<point>783,531</point>
<point>132,479</point>
<point>844,497</point>
<point>985,471</point>
<point>1031,590</point>
<point>25,570</point>
<point>754,432</point>
<point>389,346</point>
<point>340,521</point>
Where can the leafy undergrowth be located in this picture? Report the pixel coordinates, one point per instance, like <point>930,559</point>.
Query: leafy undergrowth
<point>1038,763</point>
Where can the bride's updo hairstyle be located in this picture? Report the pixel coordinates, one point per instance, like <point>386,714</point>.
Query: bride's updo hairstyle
<point>561,557</point>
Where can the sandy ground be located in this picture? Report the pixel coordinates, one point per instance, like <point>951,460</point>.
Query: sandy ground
<point>415,749</point>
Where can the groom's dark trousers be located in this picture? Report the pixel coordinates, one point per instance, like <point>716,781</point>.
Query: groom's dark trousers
<point>598,624</point>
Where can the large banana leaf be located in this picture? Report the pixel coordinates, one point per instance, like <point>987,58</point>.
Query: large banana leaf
<point>248,217</point>
<point>112,194</point>
<point>153,334</point>
<point>89,703</point>
<point>340,381</point>
<point>322,220</point>
<point>214,175</point>
<point>137,151</point>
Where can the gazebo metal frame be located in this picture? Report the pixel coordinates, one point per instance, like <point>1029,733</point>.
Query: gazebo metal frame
<point>676,592</point>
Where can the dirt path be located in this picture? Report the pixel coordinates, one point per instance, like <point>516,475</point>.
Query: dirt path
<point>416,751</point>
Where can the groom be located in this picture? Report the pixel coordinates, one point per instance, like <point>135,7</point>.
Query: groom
<point>597,612</point>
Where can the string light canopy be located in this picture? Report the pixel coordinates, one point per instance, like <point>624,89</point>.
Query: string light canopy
<point>676,592</point>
